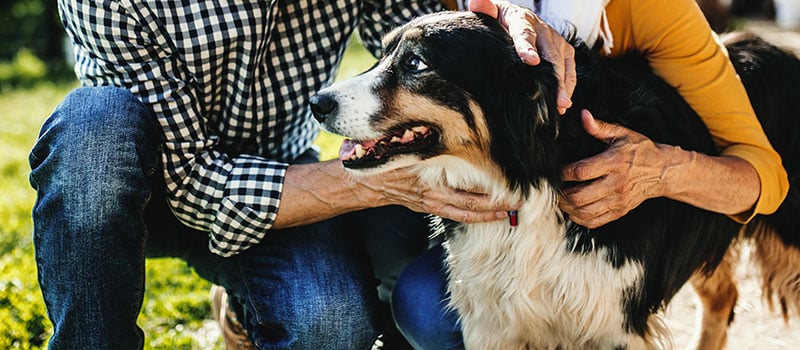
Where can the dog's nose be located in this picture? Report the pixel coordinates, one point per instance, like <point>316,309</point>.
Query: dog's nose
<point>322,105</point>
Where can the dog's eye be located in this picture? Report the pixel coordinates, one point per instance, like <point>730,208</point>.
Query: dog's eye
<point>415,63</point>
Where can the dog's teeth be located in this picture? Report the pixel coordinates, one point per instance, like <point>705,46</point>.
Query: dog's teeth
<point>360,151</point>
<point>394,139</point>
<point>420,129</point>
<point>408,136</point>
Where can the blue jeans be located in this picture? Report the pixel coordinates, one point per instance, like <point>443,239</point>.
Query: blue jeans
<point>419,304</point>
<point>101,210</point>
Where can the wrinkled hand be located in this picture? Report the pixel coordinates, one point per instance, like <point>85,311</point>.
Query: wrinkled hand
<point>404,187</point>
<point>622,177</point>
<point>534,38</point>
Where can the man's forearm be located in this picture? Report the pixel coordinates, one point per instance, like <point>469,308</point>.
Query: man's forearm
<point>315,192</point>
<point>319,191</point>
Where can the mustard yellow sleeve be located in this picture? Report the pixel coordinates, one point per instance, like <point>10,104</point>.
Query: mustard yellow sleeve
<point>683,50</point>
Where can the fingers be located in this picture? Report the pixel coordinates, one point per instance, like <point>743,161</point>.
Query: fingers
<point>590,168</point>
<point>601,164</point>
<point>556,50</point>
<point>468,207</point>
<point>595,214</point>
<point>534,40</point>
<point>567,84</point>
<point>483,6</point>
<point>584,195</point>
<point>403,187</point>
<point>603,131</point>
<point>467,216</point>
<point>519,23</point>
<point>523,33</point>
<point>593,222</point>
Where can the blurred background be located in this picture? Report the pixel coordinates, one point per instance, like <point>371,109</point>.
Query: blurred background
<point>36,73</point>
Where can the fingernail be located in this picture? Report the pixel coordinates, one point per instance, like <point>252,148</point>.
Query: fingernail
<point>530,56</point>
<point>563,96</point>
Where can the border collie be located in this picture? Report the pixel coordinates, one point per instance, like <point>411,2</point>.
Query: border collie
<point>451,99</point>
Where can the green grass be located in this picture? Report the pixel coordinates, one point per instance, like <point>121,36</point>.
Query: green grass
<point>23,323</point>
<point>176,310</point>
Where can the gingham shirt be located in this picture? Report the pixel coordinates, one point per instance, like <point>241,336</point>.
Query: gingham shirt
<point>229,82</point>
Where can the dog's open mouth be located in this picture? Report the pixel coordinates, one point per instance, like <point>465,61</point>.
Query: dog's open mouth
<point>401,140</point>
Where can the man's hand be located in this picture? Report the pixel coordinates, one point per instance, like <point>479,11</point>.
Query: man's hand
<point>404,187</point>
<point>533,40</point>
<point>630,171</point>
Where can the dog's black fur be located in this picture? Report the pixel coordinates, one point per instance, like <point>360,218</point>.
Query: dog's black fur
<point>671,240</point>
<point>772,79</point>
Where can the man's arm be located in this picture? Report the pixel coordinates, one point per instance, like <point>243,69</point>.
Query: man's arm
<point>314,192</point>
<point>206,189</point>
<point>236,198</point>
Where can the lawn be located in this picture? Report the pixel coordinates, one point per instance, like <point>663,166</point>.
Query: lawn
<point>176,310</point>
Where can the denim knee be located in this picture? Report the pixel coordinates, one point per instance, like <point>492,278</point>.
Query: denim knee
<point>419,305</point>
<point>99,144</point>
<point>324,319</point>
<point>307,287</point>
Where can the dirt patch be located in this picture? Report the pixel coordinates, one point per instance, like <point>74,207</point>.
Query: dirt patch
<point>755,327</point>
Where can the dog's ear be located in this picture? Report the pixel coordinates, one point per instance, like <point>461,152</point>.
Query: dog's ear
<point>523,123</point>
<point>518,100</point>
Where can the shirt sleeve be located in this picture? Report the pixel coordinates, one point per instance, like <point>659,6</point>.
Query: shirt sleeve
<point>683,50</point>
<point>234,198</point>
<point>381,16</point>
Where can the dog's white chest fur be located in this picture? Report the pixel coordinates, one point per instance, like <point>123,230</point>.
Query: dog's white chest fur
<point>523,288</point>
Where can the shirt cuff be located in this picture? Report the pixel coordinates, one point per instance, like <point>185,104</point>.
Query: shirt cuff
<point>249,206</point>
<point>774,180</point>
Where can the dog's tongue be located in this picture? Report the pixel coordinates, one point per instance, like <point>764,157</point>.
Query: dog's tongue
<point>348,149</point>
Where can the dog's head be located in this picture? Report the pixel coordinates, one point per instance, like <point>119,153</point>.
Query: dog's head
<point>448,87</point>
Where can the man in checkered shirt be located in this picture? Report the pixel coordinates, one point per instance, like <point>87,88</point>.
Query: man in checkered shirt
<point>191,137</point>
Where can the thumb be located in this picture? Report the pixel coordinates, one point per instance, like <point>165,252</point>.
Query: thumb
<point>601,130</point>
<point>484,6</point>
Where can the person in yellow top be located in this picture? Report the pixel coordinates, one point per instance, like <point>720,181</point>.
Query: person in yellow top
<point>682,49</point>
<point>745,180</point>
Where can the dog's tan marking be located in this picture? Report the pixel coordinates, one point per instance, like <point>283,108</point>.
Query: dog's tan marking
<point>718,294</point>
<point>458,138</point>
